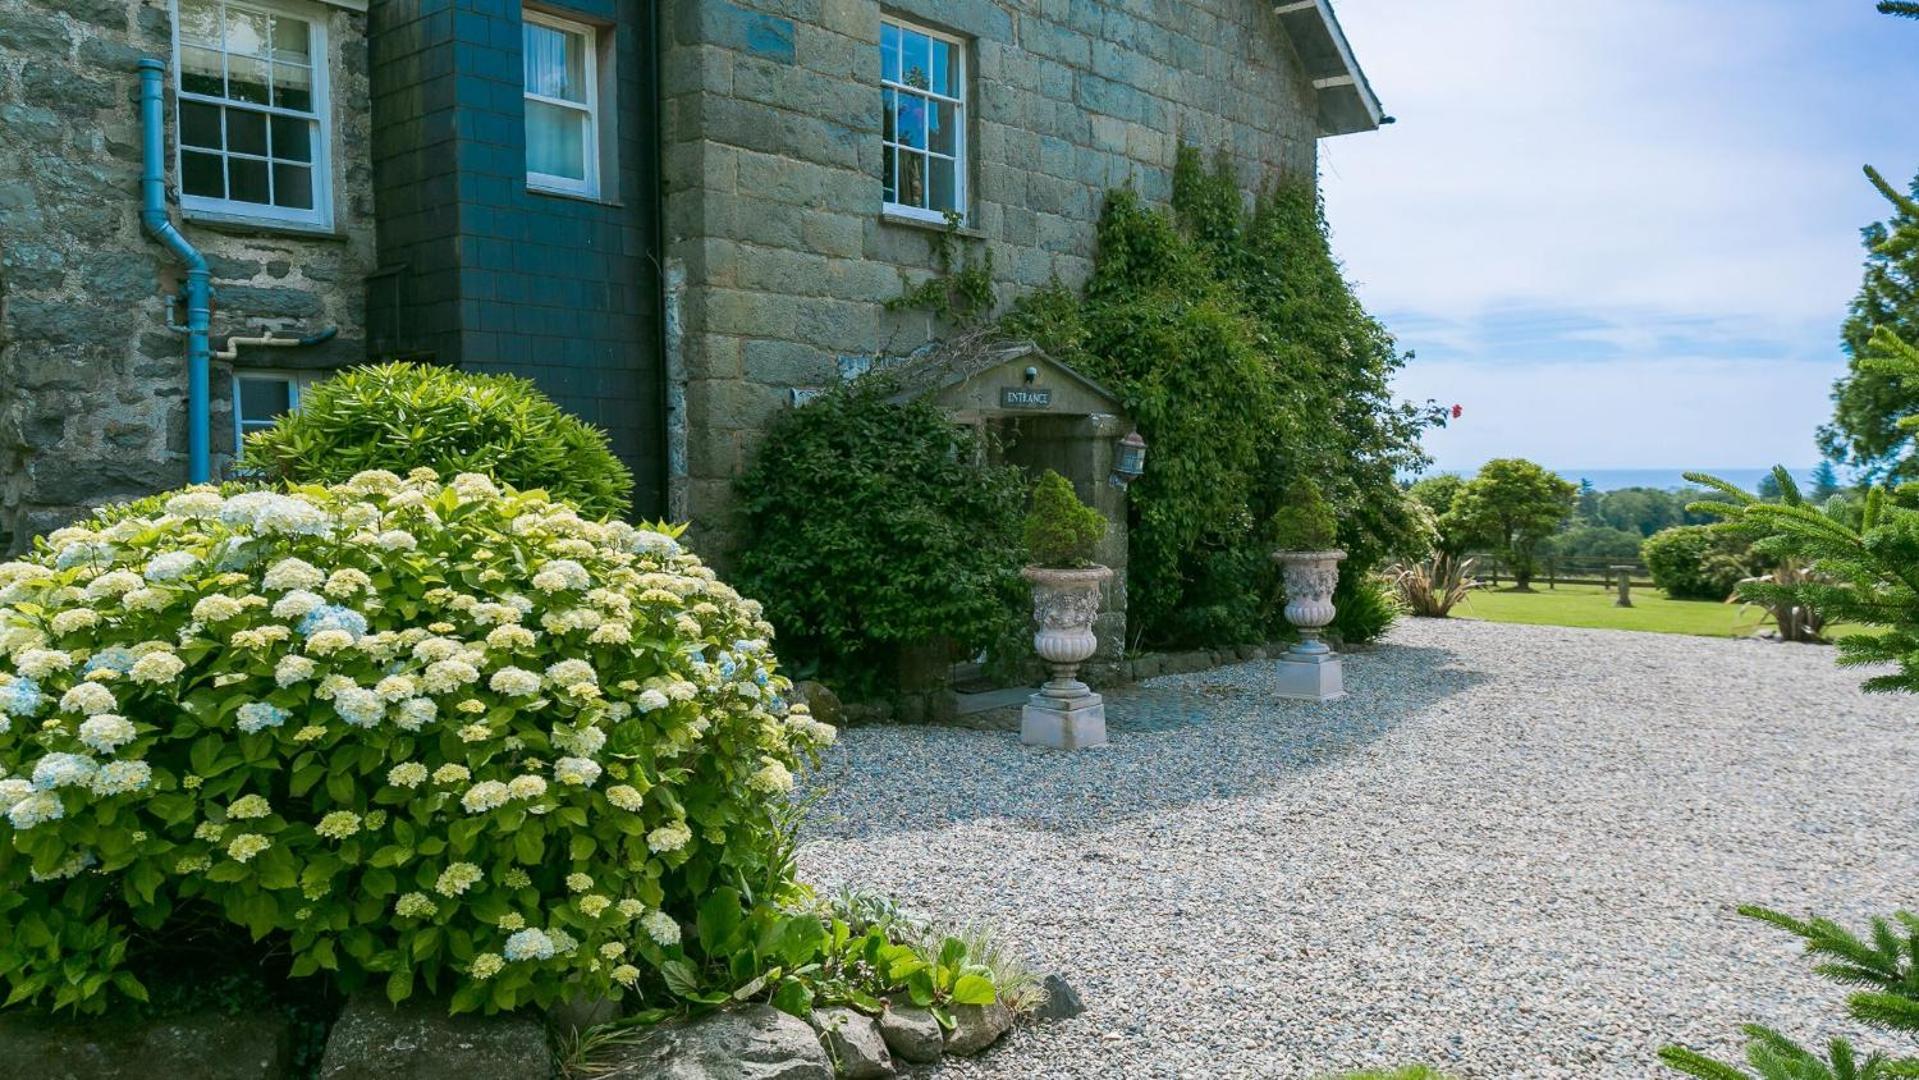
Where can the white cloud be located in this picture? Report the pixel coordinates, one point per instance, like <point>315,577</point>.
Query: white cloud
<point>1668,179</point>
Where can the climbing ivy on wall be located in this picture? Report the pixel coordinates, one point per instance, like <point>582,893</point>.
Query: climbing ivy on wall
<point>1240,349</point>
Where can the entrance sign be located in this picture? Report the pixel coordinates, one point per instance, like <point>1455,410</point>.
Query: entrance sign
<point>1025,397</point>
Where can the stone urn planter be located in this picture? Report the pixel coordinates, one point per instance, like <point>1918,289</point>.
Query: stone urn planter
<point>1310,670</point>
<point>1065,713</point>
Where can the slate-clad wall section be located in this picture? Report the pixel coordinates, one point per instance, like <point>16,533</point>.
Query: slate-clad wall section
<point>492,276</point>
<point>772,165</point>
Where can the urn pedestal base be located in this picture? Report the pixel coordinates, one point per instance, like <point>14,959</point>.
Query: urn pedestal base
<point>1063,723</point>
<point>1311,677</point>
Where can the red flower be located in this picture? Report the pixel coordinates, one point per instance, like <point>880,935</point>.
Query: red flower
<point>1457,410</point>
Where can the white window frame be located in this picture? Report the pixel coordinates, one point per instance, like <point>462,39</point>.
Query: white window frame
<point>961,82</point>
<point>297,383</point>
<point>588,187</point>
<point>321,215</point>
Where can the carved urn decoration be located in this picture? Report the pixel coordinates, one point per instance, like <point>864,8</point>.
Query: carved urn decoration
<point>1310,669</point>
<point>1310,578</point>
<point>1065,713</point>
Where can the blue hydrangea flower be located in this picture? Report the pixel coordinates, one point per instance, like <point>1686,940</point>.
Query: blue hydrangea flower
<point>112,658</point>
<point>257,716</point>
<point>64,770</point>
<point>529,945</point>
<point>22,697</point>
<point>333,617</point>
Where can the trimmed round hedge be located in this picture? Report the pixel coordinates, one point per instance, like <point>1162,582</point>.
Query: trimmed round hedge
<point>448,737</point>
<point>408,416</point>
<point>1694,562</point>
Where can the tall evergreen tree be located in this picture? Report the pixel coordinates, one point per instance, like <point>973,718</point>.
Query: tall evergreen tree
<point>1825,482</point>
<point>1867,403</point>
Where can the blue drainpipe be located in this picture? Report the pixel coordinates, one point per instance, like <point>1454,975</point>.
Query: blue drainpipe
<point>199,290</point>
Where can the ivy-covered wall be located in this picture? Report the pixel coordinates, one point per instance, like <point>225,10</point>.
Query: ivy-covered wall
<point>780,264</point>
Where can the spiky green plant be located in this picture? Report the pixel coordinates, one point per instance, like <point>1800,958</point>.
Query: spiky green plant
<point>1882,966</point>
<point>1867,575</point>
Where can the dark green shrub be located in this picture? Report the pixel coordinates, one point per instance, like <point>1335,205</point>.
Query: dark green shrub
<point>1061,531</point>
<point>870,526</point>
<point>400,417</point>
<point>1304,522</point>
<point>1365,607</point>
<point>1695,562</point>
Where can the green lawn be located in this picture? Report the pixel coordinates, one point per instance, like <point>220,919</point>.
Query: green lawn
<point>1592,606</point>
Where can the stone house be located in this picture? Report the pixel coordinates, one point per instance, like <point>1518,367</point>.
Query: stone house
<point>678,217</point>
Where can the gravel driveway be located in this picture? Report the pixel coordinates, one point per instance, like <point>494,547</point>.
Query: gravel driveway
<point>1512,852</point>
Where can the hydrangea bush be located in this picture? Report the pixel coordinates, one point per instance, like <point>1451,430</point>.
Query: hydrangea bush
<point>450,736</point>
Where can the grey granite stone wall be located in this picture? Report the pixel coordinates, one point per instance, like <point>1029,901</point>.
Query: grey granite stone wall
<point>771,122</point>
<point>92,385</point>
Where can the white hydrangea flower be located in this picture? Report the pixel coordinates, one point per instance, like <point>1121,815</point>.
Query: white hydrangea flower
<point>40,663</point>
<point>396,540</point>
<point>170,565</point>
<point>157,667</point>
<point>196,504</point>
<point>562,574</point>
<point>671,837</point>
<point>576,771</point>
<point>415,713</point>
<point>661,928</point>
<point>89,698</point>
<point>358,706</point>
<point>72,619</point>
<point>217,608</point>
<point>293,669</point>
<point>773,778</point>
<point>508,638</point>
<point>626,797</point>
<point>484,796</point>
<point>297,603</point>
<point>409,774</point>
<point>526,787</point>
<point>514,682</point>
<point>106,732</point>
<point>292,573</point>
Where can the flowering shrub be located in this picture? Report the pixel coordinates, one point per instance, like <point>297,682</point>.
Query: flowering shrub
<point>444,735</point>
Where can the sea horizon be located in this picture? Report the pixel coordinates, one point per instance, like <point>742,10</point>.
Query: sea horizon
<point>1666,479</point>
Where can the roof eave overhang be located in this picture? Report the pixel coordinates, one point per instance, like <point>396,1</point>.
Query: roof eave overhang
<point>1347,103</point>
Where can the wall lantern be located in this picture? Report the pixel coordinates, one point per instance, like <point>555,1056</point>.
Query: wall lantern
<point>1130,463</point>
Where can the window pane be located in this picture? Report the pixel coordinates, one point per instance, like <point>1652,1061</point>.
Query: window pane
<point>942,126</point>
<point>943,193</point>
<point>263,399</point>
<point>200,22</point>
<point>199,124</point>
<point>887,179</point>
<point>887,106</point>
<point>293,87</point>
<point>915,59</point>
<point>555,63</point>
<point>247,131</point>
<point>247,180</point>
<point>200,72</point>
<point>247,79</point>
<point>555,140</point>
<point>203,174</point>
<point>943,67</point>
<point>890,53</point>
<point>292,186</point>
<point>246,32</point>
<point>292,139</point>
<point>912,179</point>
<point>290,43</point>
<point>912,121</point>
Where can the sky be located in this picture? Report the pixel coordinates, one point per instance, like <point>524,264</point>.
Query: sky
<point>1621,235</point>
